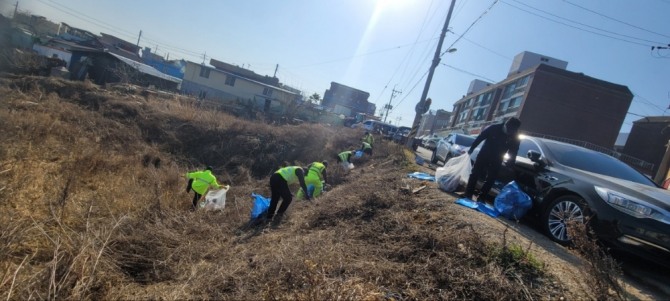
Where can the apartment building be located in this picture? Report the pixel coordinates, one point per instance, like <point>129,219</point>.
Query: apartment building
<point>347,101</point>
<point>549,100</point>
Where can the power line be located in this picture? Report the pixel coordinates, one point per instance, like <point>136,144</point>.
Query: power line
<point>470,73</point>
<point>589,26</point>
<point>470,27</point>
<point>423,24</point>
<point>575,27</point>
<point>614,19</point>
<point>84,17</point>
<point>361,55</point>
<point>489,49</point>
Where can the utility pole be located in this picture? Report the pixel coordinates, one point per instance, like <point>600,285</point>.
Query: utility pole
<point>276,68</point>
<point>138,39</point>
<point>389,106</point>
<point>436,61</point>
<point>16,9</point>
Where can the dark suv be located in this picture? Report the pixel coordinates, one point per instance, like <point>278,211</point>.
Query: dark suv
<point>626,209</point>
<point>400,135</point>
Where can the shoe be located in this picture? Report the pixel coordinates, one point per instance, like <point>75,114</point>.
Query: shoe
<point>465,196</point>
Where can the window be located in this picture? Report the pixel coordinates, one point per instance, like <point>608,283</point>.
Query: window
<point>509,89</point>
<point>503,106</point>
<point>267,92</point>
<point>230,80</point>
<point>514,102</point>
<point>526,145</point>
<point>486,100</point>
<point>463,116</point>
<point>522,81</point>
<point>479,114</point>
<point>204,72</point>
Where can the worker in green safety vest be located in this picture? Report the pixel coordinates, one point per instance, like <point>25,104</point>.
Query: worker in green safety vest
<point>200,182</point>
<point>368,138</point>
<point>279,188</point>
<point>366,148</point>
<point>344,158</point>
<point>317,177</point>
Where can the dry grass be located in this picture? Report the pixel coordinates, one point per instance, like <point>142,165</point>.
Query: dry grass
<point>93,202</point>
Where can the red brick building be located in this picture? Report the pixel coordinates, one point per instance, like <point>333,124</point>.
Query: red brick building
<point>550,101</point>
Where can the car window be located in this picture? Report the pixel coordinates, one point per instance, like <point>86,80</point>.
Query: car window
<point>595,162</point>
<point>463,140</point>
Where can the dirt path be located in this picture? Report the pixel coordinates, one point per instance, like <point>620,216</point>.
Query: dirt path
<point>560,261</point>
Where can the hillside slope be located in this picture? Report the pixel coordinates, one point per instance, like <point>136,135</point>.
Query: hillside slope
<point>94,207</point>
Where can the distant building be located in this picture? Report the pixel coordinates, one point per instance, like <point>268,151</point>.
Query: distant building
<point>224,85</point>
<point>347,101</point>
<point>174,68</point>
<point>433,121</point>
<point>549,100</point>
<point>648,139</point>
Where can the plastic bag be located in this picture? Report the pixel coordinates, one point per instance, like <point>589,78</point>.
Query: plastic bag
<point>261,205</point>
<point>358,154</point>
<point>455,172</point>
<point>215,199</point>
<point>512,202</point>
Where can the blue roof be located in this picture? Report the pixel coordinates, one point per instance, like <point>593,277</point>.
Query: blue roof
<point>146,69</point>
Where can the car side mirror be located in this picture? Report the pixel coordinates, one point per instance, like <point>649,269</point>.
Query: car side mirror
<point>537,158</point>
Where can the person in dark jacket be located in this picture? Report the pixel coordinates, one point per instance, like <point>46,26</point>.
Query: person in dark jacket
<point>500,139</point>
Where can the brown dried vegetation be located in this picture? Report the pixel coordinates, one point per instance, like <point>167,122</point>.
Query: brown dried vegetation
<point>93,202</point>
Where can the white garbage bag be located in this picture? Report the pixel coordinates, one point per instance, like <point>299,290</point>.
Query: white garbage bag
<point>455,172</point>
<point>215,199</point>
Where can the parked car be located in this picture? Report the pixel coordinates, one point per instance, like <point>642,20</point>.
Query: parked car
<point>401,134</point>
<point>430,141</point>
<point>626,210</point>
<point>451,146</point>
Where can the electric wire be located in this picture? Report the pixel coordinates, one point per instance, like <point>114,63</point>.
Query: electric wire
<point>583,24</point>
<point>575,27</point>
<point>470,27</point>
<point>614,19</point>
<point>127,34</point>
<point>470,73</point>
<point>423,24</point>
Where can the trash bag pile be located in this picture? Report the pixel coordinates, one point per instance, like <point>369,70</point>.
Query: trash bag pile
<point>455,172</point>
<point>512,202</point>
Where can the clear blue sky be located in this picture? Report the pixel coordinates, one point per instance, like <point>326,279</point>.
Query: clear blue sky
<point>378,45</point>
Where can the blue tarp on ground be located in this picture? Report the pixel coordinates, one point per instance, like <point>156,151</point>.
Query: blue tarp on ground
<point>481,207</point>
<point>422,176</point>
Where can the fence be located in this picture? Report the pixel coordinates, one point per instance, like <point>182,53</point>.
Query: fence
<point>640,165</point>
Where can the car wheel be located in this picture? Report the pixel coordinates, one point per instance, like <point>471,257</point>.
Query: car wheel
<point>560,212</point>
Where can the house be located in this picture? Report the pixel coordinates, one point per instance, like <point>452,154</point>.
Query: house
<point>174,68</point>
<point>648,140</point>
<point>549,100</point>
<point>228,85</point>
<point>348,101</point>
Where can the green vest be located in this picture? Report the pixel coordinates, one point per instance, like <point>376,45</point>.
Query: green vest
<point>202,180</point>
<point>344,155</point>
<point>317,168</point>
<point>366,145</point>
<point>288,173</point>
<point>369,139</point>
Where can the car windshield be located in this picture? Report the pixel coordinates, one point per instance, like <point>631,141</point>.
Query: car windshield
<point>595,162</point>
<point>464,140</point>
